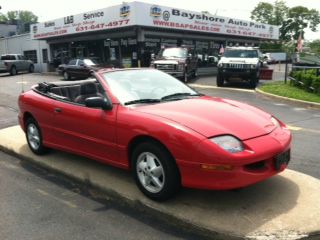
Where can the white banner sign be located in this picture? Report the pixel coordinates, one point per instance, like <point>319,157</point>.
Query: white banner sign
<point>98,20</point>
<point>143,14</point>
<point>173,18</point>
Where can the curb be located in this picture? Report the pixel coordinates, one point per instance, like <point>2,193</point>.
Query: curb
<point>292,100</point>
<point>209,215</point>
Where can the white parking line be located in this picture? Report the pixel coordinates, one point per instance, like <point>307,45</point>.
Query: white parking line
<point>24,82</point>
<point>294,128</point>
<point>280,104</point>
<point>299,109</point>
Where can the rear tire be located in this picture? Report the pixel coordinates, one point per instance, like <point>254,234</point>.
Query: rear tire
<point>155,171</point>
<point>13,71</point>
<point>34,137</point>
<point>31,69</point>
<point>220,80</point>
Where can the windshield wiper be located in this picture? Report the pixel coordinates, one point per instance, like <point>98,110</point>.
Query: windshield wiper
<point>175,95</point>
<point>145,100</point>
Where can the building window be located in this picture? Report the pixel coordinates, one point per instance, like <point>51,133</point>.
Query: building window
<point>45,55</point>
<point>31,55</point>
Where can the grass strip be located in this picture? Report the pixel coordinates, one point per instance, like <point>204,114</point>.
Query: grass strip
<point>286,90</point>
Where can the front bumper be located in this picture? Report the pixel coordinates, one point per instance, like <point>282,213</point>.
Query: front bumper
<point>258,162</point>
<point>230,72</point>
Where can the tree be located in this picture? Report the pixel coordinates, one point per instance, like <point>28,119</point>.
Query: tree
<point>315,46</point>
<point>21,18</point>
<point>292,21</point>
<point>299,18</point>
<point>267,13</point>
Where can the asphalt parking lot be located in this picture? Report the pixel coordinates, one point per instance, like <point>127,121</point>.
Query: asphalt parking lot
<point>290,195</point>
<point>303,121</point>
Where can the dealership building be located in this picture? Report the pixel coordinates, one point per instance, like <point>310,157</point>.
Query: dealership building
<point>127,34</point>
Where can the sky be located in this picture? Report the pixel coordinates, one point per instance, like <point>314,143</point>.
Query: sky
<point>241,9</point>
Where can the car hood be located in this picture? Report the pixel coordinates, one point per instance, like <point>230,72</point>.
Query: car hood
<point>214,116</point>
<point>239,60</point>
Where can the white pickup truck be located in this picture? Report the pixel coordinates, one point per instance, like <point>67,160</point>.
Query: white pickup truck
<point>14,63</point>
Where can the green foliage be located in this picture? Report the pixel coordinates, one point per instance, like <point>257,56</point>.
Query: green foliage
<point>271,47</point>
<point>285,90</point>
<point>292,21</point>
<point>22,18</point>
<point>309,79</point>
<point>316,84</point>
<point>315,46</point>
<point>299,18</point>
<point>271,14</point>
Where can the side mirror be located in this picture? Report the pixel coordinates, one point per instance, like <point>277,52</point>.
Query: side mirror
<point>98,102</point>
<point>153,56</point>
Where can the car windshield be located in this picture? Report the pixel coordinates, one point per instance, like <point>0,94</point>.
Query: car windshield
<point>90,62</point>
<point>174,52</point>
<point>237,53</point>
<point>146,86</point>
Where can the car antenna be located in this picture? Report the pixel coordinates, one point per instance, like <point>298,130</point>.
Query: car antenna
<point>22,83</point>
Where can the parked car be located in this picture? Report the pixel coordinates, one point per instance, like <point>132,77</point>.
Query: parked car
<point>79,68</point>
<point>166,133</point>
<point>14,63</point>
<point>240,62</point>
<point>179,62</point>
<point>276,57</point>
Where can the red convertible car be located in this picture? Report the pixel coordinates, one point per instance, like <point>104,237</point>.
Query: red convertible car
<point>166,133</point>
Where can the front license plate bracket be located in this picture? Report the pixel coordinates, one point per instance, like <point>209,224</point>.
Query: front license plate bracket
<point>282,158</point>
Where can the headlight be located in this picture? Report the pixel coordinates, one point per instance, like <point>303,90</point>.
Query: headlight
<point>220,65</point>
<point>254,66</point>
<point>275,122</point>
<point>228,143</point>
<point>180,67</point>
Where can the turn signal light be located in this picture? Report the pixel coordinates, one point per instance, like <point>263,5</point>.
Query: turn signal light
<point>216,167</point>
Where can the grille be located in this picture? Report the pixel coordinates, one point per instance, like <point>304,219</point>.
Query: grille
<point>165,67</point>
<point>237,66</point>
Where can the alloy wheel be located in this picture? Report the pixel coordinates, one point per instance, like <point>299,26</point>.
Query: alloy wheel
<point>150,172</point>
<point>33,136</point>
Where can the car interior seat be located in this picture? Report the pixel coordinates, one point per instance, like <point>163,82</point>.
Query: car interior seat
<point>87,90</point>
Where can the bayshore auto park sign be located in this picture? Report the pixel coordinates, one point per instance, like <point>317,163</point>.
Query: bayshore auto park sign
<point>148,15</point>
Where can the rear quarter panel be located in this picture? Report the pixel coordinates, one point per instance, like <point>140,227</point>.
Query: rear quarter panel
<point>41,108</point>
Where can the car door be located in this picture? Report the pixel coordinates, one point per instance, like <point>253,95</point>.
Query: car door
<point>71,67</point>
<point>24,63</point>
<point>86,131</point>
<point>82,70</point>
<point>18,62</point>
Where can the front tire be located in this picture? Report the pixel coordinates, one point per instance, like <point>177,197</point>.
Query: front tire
<point>195,73</point>
<point>253,82</point>
<point>155,171</point>
<point>185,76</point>
<point>34,137</point>
<point>66,75</point>
<point>220,80</point>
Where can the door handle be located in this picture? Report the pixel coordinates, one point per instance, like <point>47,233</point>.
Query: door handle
<point>58,110</point>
